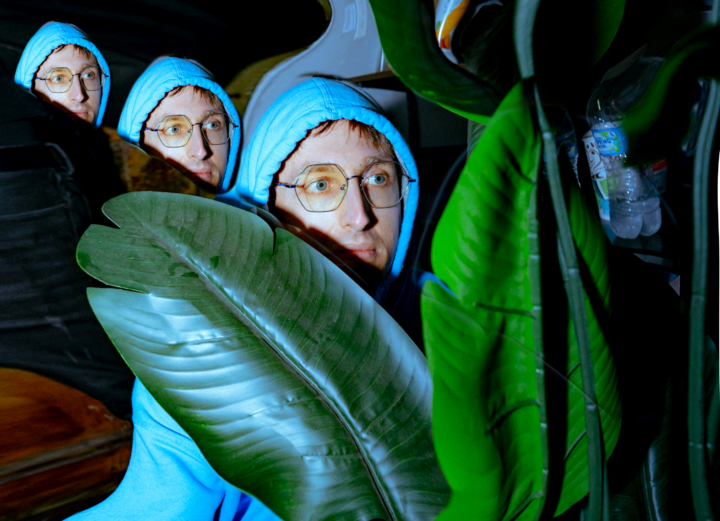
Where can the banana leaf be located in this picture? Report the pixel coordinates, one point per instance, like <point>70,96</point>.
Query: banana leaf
<point>484,349</point>
<point>407,35</point>
<point>661,119</point>
<point>296,386</point>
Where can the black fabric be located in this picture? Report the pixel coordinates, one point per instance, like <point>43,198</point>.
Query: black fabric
<point>403,304</point>
<point>225,38</point>
<point>54,177</point>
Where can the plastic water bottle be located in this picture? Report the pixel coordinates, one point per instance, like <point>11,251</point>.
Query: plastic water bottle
<point>634,208</point>
<point>633,203</point>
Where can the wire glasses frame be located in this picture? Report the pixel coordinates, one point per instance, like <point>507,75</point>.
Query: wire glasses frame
<point>330,191</point>
<point>176,130</point>
<point>60,79</point>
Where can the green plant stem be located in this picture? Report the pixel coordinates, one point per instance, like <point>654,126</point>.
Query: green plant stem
<point>696,406</point>
<point>713,412</point>
<point>576,300</point>
<point>524,22</point>
<point>523,28</point>
<point>537,315</point>
<point>523,25</point>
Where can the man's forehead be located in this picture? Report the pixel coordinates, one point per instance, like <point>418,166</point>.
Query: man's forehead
<point>343,141</point>
<point>71,57</point>
<point>186,103</point>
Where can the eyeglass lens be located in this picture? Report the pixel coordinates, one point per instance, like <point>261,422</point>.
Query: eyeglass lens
<point>60,79</point>
<point>321,188</point>
<point>175,131</point>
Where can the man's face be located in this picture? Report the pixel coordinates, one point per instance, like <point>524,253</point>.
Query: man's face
<point>204,164</point>
<point>78,102</point>
<point>363,237</point>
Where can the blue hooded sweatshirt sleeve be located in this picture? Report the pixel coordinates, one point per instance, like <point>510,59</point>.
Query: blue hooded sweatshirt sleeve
<point>49,37</point>
<point>168,478</point>
<point>161,77</point>
<point>287,121</point>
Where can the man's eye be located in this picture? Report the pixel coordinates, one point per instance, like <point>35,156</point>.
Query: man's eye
<point>377,179</point>
<point>89,75</point>
<point>172,130</point>
<point>57,79</point>
<point>320,185</point>
<point>212,125</point>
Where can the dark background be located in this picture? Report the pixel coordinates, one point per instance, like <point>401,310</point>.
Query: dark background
<point>223,36</point>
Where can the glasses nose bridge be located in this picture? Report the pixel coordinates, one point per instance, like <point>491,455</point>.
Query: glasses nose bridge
<point>202,131</point>
<point>202,134</point>
<point>80,84</point>
<point>360,185</point>
<point>81,80</point>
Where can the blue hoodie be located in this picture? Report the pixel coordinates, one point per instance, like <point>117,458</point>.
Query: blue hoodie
<point>49,37</point>
<point>161,77</point>
<point>287,121</point>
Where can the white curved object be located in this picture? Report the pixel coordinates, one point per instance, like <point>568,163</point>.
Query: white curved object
<point>349,47</point>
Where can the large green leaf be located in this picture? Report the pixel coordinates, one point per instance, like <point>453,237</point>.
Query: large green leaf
<point>297,387</point>
<point>407,34</point>
<point>480,342</point>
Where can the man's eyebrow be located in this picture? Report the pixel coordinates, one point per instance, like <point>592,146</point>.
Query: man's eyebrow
<point>375,159</point>
<point>214,111</point>
<point>82,67</point>
<point>205,114</point>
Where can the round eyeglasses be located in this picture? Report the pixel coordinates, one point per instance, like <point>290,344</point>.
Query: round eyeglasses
<point>175,131</point>
<point>60,79</point>
<point>321,188</point>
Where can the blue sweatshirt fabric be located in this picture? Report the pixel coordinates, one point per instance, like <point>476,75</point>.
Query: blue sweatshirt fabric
<point>49,37</point>
<point>161,77</point>
<point>287,121</point>
<point>169,479</point>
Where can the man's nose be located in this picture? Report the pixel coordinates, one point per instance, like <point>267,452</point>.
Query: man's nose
<point>77,92</point>
<point>199,149</point>
<point>354,209</point>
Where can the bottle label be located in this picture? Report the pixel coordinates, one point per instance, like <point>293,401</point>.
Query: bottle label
<point>598,174</point>
<point>659,166</point>
<point>603,206</point>
<point>610,141</point>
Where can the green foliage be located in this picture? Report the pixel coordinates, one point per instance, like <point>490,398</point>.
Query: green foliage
<point>660,120</point>
<point>407,35</point>
<point>481,343</point>
<point>296,386</point>
<point>658,123</point>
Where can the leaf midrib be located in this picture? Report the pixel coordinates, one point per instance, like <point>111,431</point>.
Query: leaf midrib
<point>224,299</point>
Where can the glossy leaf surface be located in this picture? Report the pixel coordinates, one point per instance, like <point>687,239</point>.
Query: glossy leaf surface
<point>297,387</point>
<point>486,413</point>
<point>407,34</point>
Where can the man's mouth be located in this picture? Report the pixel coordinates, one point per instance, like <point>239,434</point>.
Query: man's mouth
<point>202,176</point>
<point>354,254</point>
<point>79,114</point>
